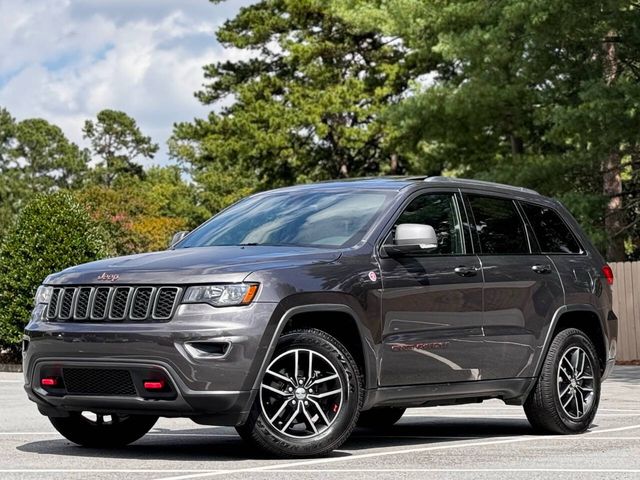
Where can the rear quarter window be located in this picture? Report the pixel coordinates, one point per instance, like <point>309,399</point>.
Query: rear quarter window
<point>552,233</point>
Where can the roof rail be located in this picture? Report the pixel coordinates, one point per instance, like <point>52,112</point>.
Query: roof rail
<point>480,183</point>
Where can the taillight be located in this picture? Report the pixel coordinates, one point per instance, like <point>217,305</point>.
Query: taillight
<point>608,274</point>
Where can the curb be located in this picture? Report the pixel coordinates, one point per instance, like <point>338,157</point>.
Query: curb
<point>10,367</point>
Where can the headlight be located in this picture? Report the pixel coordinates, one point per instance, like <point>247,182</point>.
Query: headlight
<point>43,295</point>
<point>222,295</point>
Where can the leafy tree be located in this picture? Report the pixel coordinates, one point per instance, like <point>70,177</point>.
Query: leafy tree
<point>174,197</point>
<point>7,183</point>
<point>142,215</point>
<point>44,157</point>
<point>51,233</point>
<point>304,103</point>
<point>35,156</point>
<point>7,133</point>
<point>543,93</point>
<point>216,185</point>
<point>117,141</point>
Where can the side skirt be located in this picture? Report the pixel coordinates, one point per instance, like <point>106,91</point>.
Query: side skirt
<point>512,391</point>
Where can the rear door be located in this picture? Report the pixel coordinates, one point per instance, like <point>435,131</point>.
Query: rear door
<point>579,276</point>
<point>522,288</point>
<point>432,301</point>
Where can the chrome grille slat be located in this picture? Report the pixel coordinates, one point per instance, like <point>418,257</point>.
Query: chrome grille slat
<point>116,303</point>
<point>83,298</point>
<point>142,303</point>
<point>52,311</point>
<point>66,303</point>
<point>164,303</point>
<point>100,303</point>
<point>119,303</point>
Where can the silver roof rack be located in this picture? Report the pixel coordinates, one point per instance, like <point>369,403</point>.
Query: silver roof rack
<point>480,183</point>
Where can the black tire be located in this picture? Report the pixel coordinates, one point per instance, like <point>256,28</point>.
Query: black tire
<point>262,432</point>
<point>117,432</point>
<point>380,418</point>
<point>544,406</point>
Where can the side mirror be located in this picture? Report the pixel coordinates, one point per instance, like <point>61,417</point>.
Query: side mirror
<point>177,237</point>
<point>413,237</point>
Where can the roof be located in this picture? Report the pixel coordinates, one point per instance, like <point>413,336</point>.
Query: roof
<point>399,182</point>
<point>465,182</point>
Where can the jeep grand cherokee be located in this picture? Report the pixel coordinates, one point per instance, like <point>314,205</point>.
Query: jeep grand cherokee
<point>299,313</point>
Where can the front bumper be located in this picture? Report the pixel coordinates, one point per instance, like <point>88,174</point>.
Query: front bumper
<point>212,388</point>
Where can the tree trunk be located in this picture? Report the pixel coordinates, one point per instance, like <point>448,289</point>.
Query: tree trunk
<point>517,145</point>
<point>395,164</point>
<point>614,215</point>
<point>612,180</point>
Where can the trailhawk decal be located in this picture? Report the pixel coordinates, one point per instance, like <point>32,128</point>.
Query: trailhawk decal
<point>403,347</point>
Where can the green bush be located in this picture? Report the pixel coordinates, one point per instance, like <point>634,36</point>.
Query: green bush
<point>51,233</point>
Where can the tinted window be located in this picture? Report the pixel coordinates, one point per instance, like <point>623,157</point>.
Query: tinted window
<point>499,226</point>
<point>552,233</point>
<point>441,212</point>
<point>317,218</point>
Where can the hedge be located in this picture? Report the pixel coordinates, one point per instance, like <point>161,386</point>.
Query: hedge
<point>51,233</point>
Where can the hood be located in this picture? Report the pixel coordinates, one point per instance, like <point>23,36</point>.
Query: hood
<point>191,265</point>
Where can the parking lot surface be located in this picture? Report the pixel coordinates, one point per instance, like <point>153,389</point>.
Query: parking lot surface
<point>487,440</point>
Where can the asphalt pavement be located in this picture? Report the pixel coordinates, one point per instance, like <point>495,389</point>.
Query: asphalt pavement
<point>488,440</point>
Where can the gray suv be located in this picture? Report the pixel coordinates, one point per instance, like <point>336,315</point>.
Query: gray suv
<point>298,314</point>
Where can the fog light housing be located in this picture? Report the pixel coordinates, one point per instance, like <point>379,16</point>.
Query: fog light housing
<point>155,385</point>
<point>49,382</point>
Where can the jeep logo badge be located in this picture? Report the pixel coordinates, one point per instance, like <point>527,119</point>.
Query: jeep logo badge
<point>108,277</point>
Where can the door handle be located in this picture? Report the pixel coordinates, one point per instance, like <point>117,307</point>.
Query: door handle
<point>541,268</point>
<point>465,271</point>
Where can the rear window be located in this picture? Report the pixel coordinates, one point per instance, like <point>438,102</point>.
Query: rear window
<point>498,225</point>
<point>552,233</point>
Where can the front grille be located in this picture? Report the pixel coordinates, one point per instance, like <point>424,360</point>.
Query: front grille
<point>66,303</point>
<point>119,303</point>
<point>52,312</point>
<point>82,303</point>
<point>113,304</point>
<point>164,302</point>
<point>100,303</point>
<point>141,304</point>
<point>98,381</point>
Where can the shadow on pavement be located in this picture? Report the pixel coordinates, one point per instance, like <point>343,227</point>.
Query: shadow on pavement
<point>224,445</point>
<point>626,374</point>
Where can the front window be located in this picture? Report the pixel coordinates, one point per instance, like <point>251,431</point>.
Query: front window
<point>318,218</point>
<point>440,210</point>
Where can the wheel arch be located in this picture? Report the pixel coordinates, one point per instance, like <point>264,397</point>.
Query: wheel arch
<point>338,320</point>
<point>583,317</point>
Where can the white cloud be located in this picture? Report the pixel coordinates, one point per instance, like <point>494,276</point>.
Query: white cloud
<point>67,60</point>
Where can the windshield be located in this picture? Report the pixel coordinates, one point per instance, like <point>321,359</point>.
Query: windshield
<point>318,218</point>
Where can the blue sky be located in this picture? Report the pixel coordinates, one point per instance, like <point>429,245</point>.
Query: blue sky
<point>65,60</point>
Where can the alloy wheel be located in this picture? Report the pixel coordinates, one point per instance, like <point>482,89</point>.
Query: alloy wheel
<point>575,383</point>
<point>301,394</point>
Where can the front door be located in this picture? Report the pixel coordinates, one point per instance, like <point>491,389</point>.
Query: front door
<point>432,301</point>
<point>522,288</point>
